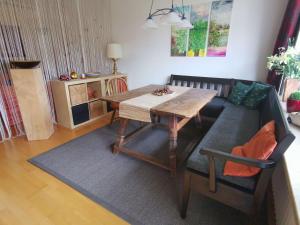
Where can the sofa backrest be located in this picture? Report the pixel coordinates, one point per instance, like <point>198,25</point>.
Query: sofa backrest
<point>222,85</point>
<point>247,82</point>
<point>271,109</point>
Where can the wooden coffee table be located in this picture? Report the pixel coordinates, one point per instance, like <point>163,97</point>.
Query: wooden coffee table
<point>179,111</point>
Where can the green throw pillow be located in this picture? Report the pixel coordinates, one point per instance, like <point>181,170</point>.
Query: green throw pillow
<point>258,93</point>
<point>239,92</point>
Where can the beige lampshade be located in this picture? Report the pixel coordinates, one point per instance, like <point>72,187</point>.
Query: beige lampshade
<point>114,51</point>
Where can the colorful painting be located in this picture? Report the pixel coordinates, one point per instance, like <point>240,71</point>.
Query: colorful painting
<point>219,28</point>
<point>209,36</point>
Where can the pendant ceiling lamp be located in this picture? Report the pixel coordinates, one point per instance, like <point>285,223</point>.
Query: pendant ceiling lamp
<point>168,16</point>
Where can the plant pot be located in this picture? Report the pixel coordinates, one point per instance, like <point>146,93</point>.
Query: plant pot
<point>295,119</point>
<point>293,105</point>
<point>290,85</point>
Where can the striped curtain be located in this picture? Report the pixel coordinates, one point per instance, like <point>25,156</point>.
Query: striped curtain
<point>65,35</point>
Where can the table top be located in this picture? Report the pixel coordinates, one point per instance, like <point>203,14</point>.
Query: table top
<point>131,94</point>
<point>186,105</point>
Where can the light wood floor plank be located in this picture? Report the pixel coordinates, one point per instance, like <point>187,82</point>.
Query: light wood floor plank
<point>29,195</point>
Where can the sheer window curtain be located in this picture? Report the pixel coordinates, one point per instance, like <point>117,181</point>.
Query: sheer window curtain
<point>65,35</point>
<point>289,30</point>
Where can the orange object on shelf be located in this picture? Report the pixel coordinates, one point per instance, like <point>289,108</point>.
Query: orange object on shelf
<point>91,92</point>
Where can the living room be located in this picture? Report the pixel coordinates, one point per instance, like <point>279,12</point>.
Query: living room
<point>150,112</point>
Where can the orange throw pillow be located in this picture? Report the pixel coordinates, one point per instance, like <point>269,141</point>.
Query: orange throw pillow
<point>260,146</point>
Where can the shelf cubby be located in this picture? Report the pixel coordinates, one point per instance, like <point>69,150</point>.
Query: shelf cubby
<point>78,94</point>
<point>77,102</point>
<point>80,113</point>
<point>97,108</point>
<point>94,90</point>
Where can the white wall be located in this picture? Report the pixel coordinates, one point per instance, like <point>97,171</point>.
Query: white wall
<point>254,28</point>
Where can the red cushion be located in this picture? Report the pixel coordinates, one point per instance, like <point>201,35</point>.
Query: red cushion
<point>260,146</point>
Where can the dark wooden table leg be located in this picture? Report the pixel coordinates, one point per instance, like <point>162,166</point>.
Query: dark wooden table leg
<point>173,144</point>
<point>198,120</point>
<point>113,115</point>
<point>155,118</point>
<point>115,108</point>
<point>121,135</point>
<point>158,119</point>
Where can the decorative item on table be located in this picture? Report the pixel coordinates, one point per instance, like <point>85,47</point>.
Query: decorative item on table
<point>293,102</point>
<point>286,64</point>
<point>114,52</point>
<point>64,77</point>
<point>74,75</point>
<point>162,91</point>
<point>82,76</point>
<point>24,64</point>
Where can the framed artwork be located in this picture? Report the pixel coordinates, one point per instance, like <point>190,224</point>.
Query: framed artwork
<point>209,37</point>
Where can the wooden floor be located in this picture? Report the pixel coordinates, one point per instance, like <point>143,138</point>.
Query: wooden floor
<point>30,196</point>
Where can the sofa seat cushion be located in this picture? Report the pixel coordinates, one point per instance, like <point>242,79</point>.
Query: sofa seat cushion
<point>214,107</point>
<point>235,126</point>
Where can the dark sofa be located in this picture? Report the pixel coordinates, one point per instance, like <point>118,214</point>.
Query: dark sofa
<point>233,125</point>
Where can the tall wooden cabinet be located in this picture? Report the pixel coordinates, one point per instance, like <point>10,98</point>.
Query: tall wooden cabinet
<point>77,102</point>
<point>33,102</point>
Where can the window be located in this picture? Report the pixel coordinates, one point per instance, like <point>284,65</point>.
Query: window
<point>297,45</point>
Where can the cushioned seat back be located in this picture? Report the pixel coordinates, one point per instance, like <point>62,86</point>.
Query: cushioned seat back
<point>271,110</point>
<point>248,82</point>
<point>222,85</point>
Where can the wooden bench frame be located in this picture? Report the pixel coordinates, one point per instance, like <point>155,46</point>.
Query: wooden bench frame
<point>248,202</point>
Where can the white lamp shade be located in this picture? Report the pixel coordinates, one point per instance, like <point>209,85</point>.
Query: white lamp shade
<point>171,19</point>
<point>150,23</point>
<point>114,51</point>
<point>185,24</point>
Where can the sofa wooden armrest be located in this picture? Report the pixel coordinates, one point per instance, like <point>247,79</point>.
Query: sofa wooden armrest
<point>263,164</point>
<point>212,154</point>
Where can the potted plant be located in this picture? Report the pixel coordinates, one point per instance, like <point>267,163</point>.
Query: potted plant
<point>287,64</point>
<point>293,102</point>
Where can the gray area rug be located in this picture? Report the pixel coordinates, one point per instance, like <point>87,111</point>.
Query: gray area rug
<point>138,192</point>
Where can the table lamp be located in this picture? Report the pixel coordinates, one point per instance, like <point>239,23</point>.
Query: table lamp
<point>114,52</point>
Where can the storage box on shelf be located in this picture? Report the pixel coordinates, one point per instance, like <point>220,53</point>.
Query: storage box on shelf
<point>77,102</point>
